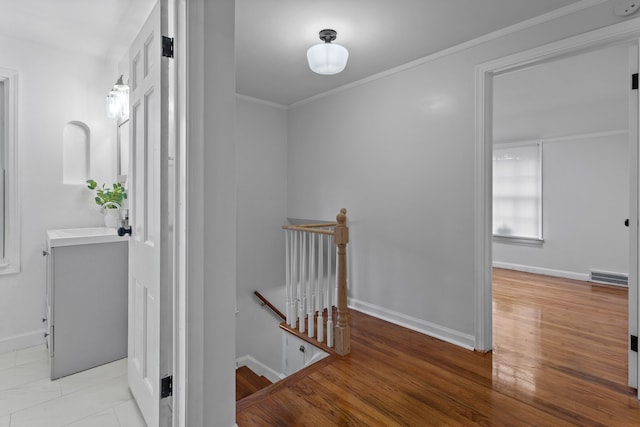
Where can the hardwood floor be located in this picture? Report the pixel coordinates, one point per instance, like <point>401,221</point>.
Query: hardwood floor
<point>559,359</point>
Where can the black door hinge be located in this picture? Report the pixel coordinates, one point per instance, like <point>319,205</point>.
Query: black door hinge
<point>634,81</point>
<point>166,387</point>
<point>167,47</point>
<point>634,343</point>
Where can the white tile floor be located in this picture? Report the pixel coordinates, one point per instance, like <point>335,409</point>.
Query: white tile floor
<point>98,397</point>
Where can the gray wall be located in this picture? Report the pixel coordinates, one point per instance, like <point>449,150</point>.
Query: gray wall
<point>398,152</point>
<point>261,149</point>
<point>585,201</point>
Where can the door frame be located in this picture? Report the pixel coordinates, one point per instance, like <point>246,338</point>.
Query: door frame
<point>628,31</point>
<point>178,27</point>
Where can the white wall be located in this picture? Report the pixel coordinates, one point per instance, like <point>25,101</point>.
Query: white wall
<point>261,150</point>
<point>585,179</point>
<point>585,201</point>
<point>398,153</point>
<point>55,87</point>
<point>210,212</point>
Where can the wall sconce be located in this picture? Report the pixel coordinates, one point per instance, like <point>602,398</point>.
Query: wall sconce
<point>118,100</point>
<point>327,58</point>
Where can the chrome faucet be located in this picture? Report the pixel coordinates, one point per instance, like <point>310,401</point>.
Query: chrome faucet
<point>125,228</point>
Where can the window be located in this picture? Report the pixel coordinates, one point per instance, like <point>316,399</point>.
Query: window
<point>517,191</point>
<point>9,203</point>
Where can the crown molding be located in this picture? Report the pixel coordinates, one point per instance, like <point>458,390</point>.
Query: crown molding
<point>563,11</point>
<point>261,101</point>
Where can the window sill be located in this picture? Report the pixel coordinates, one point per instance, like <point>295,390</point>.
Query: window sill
<point>514,240</point>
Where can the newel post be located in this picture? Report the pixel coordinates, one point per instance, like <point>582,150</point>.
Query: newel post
<point>343,330</point>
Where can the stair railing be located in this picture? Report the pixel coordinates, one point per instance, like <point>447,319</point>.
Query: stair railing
<point>264,302</point>
<point>316,281</point>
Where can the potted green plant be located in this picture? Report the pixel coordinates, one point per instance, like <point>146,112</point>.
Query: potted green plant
<point>110,199</point>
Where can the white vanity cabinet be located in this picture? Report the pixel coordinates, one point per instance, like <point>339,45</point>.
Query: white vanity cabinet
<point>86,298</point>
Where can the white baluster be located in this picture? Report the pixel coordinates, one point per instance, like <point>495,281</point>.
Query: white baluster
<point>319,288</point>
<point>330,295</point>
<point>312,285</point>
<point>335,280</point>
<point>287,281</point>
<point>304,260</point>
<point>293,309</point>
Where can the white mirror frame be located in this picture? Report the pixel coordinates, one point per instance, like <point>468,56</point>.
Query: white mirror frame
<point>10,263</point>
<point>122,150</point>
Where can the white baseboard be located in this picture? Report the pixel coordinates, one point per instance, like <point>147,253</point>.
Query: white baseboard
<point>259,368</point>
<point>440,332</point>
<point>544,271</point>
<point>18,342</point>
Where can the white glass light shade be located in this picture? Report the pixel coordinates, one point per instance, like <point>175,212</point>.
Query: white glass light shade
<point>327,58</point>
<point>118,102</point>
<point>112,105</point>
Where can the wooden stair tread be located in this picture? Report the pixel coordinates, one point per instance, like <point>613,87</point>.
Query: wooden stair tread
<point>292,379</point>
<point>248,382</point>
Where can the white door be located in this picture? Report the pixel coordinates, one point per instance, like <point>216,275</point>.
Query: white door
<point>633,218</point>
<point>150,259</point>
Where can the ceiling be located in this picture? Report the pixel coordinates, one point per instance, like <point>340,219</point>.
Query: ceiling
<point>272,36</point>
<point>95,27</point>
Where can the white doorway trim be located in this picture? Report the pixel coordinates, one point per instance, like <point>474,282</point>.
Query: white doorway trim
<point>618,33</point>
<point>193,189</point>
<point>180,225</point>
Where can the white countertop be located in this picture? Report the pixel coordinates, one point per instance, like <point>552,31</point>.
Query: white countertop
<point>82,236</point>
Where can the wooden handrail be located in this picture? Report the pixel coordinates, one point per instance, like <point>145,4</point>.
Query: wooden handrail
<point>307,229</point>
<point>271,306</point>
<point>325,224</point>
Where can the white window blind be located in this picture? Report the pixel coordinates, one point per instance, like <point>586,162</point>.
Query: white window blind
<point>517,191</point>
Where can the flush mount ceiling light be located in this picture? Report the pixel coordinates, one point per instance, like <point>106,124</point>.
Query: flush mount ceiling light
<point>118,100</point>
<point>327,58</point>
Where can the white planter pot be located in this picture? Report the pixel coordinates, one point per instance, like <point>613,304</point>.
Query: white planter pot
<point>111,218</point>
